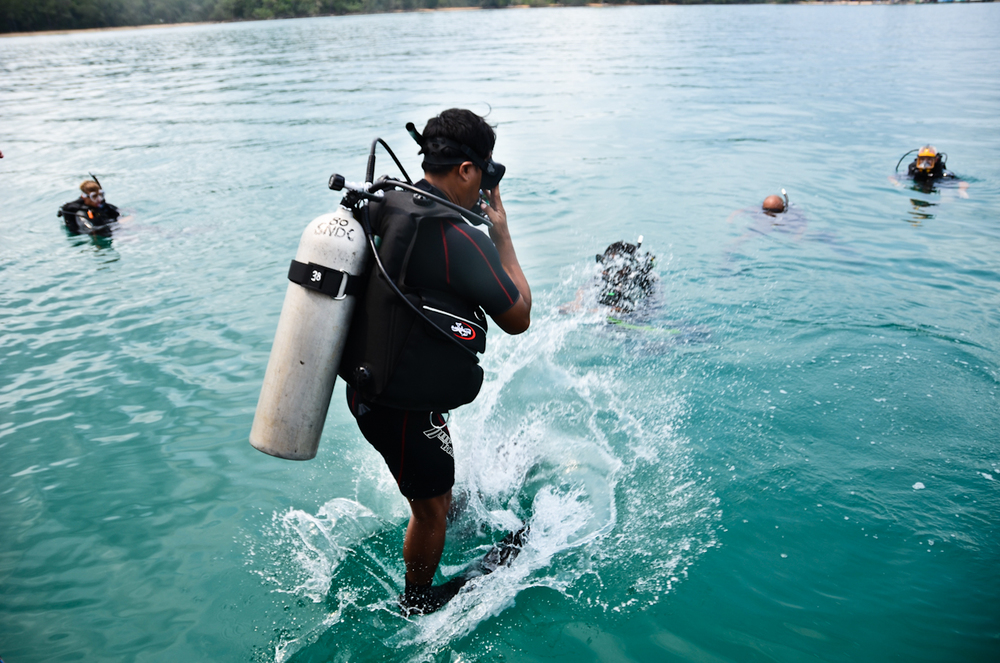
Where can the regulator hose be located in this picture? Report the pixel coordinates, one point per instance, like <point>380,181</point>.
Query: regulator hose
<point>366,225</point>
<point>903,157</point>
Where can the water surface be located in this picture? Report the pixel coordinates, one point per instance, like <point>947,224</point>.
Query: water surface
<point>808,471</point>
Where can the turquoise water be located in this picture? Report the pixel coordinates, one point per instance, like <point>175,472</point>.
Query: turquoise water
<point>809,471</point>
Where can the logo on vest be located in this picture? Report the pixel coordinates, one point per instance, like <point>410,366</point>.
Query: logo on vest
<point>463,331</point>
<point>442,436</point>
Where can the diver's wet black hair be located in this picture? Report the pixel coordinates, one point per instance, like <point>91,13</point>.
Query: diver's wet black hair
<point>461,126</point>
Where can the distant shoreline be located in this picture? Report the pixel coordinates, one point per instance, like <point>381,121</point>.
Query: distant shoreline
<point>117,28</point>
<point>67,31</point>
<point>150,26</point>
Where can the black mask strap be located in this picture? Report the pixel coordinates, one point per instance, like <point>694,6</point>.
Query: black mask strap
<point>432,148</point>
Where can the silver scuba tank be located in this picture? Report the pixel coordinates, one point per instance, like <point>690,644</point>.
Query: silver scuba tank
<point>312,330</point>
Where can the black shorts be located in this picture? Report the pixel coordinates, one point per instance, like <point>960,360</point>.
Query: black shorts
<point>415,445</point>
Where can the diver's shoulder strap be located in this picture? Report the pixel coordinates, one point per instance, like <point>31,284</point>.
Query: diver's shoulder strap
<point>70,209</point>
<point>332,282</point>
<point>398,221</point>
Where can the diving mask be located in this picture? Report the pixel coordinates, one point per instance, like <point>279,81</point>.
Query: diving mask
<point>95,196</point>
<point>927,158</point>
<point>492,174</point>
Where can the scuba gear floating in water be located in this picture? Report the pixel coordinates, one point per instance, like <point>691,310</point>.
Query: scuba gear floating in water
<point>626,277</point>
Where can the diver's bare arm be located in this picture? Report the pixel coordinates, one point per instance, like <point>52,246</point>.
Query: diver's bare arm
<point>516,319</point>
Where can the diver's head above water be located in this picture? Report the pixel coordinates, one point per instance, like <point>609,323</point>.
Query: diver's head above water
<point>927,158</point>
<point>458,155</point>
<point>774,204</point>
<point>929,164</point>
<point>93,195</point>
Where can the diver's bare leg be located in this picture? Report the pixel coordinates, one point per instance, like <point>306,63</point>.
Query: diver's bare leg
<point>424,541</point>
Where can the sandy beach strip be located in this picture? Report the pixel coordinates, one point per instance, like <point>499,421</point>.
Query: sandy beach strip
<point>114,29</point>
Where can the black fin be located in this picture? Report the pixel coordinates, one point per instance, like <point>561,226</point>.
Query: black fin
<point>504,552</point>
<point>423,600</point>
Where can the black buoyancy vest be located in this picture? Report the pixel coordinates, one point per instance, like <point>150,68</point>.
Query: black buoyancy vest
<point>939,171</point>
<point>392,356</point>
<point>80,217</point>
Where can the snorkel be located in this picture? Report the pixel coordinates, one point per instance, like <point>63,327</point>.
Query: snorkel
<point>784,194</point>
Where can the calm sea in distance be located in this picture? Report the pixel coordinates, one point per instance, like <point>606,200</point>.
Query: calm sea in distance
<point>790,454</point>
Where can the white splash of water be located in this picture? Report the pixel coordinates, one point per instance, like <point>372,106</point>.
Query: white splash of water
<point>575,433</point>
<point>319,543</point>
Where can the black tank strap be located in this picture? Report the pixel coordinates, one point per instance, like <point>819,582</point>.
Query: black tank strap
<point>332,282</point>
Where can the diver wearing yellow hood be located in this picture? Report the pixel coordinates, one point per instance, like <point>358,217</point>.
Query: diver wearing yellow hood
<point>929,165</point>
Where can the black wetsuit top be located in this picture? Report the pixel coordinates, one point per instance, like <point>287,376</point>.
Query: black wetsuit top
<point>452,256</point>
<point>452,273</point>
<point>99,216</point>
<point>417,375</point>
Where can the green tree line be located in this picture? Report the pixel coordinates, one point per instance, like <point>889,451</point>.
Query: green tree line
<point>34,15</point>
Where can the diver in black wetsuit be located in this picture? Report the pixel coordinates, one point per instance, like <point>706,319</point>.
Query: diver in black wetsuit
<point>403,379</point>
<point>929,166</point>
<point>90,213</point>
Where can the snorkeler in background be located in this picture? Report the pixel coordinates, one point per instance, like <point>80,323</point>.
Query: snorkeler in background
<point>774,215</point>
<point>928,168</point>
<point>90,213</point>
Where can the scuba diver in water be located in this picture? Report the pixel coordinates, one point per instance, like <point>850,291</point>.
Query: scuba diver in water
<point>90,213</point>
<point>626,277</point>
<point>402,378</point>
<point>625,282</point>
<point>930,167</point>
<point>625,291</point>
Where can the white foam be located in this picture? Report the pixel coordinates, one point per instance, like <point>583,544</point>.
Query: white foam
<point>585,450</point>
<point>319,543</point>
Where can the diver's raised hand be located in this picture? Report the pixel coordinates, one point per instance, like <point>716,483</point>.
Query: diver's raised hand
<point>495,211</point>
<point>518,317</point>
